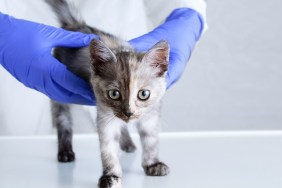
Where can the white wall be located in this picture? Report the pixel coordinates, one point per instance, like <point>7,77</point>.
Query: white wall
<point>233,81</point>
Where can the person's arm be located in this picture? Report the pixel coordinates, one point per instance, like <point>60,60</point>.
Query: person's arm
<point>181,29</point>
<point>25,52</point>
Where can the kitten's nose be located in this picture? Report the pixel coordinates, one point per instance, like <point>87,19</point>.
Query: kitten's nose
<point>128,113</point>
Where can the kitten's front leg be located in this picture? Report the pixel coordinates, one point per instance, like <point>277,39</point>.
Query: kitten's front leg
<point>148,131</point>
<point>109,131</point>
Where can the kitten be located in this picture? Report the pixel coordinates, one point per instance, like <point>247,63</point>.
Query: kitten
<point>128,86</point>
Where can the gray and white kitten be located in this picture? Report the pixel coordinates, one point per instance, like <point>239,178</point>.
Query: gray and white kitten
<point>128,86</point>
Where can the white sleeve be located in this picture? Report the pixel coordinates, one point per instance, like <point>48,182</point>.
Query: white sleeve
<point>3,7</point>
<point>158,10</point>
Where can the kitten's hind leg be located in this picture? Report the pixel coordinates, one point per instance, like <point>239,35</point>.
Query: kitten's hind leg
<point>126,143</point>
<point>62,121</point>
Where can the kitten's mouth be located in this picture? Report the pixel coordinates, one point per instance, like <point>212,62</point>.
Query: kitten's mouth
<point>126,118</point>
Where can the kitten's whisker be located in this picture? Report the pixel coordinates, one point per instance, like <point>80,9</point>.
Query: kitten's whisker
<point>105,116</point>
<point>107,119</point>
<point>111,119</point>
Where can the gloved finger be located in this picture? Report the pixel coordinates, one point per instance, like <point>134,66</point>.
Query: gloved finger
<point>60,93</point>
<point>64,38</point>
<point>47,75</point>
<point>64,78</point>
<point>70,98</point>
<point>176,67</point>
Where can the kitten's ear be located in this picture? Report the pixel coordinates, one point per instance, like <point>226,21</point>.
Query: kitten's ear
<point>100,53</point>
<point>102,59</point>
<point>158,57</point>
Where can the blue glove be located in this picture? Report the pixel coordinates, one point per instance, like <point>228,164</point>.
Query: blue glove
<point>25,52</point>
<point>181,29</point>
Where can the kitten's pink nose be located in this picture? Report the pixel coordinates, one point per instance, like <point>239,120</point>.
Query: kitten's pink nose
<point>128,113</point>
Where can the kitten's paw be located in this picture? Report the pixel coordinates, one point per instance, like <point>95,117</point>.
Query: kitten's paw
<point>110,182</point>
<point>66,156</point>
<point>128,147</point>
<point>157,169</point>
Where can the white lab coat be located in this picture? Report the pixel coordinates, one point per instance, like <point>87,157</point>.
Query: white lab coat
<point>24,111</point>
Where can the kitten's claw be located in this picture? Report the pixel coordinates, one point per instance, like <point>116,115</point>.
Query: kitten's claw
<point>110,182</point>
<point>157,169</point>
<point>66,156</point>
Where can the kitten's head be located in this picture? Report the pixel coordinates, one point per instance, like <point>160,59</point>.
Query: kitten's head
<point>130,84</point>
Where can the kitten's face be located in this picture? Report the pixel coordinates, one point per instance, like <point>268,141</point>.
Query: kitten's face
<point>129,84</point>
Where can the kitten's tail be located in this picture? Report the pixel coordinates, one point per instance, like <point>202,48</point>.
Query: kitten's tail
<point>66,12</point>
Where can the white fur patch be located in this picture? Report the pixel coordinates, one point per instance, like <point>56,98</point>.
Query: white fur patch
<point>117,183</point>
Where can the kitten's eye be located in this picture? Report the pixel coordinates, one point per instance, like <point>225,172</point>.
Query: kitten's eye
<point>114,94</point>
<point>143,95</point>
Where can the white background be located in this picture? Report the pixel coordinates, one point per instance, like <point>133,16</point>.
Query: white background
<point>233,81</point>
<point>234,78</point>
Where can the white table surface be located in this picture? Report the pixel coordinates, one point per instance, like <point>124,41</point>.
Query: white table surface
<point>197,160</point>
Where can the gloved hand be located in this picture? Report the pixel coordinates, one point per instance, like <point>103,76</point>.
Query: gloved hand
<point>181,29</point>
<point>25,52</point>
